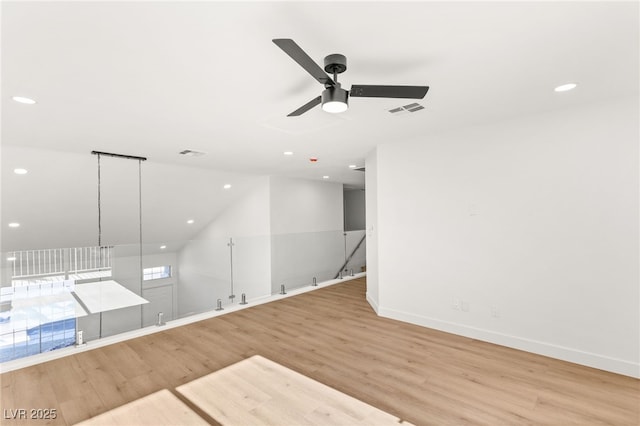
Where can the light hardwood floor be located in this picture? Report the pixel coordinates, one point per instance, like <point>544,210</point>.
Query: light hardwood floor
<point>331,335</point>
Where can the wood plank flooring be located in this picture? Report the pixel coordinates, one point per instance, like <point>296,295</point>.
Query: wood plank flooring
<point>331,335</point>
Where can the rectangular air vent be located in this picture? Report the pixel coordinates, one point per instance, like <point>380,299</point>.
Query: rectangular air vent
<point>417,108</point>
<point>192,153</point>
<point>406,108</point>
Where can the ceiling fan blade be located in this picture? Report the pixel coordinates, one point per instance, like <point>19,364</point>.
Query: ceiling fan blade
<point>297,54</point>
<point>306,107</point>
<point>410,92</point>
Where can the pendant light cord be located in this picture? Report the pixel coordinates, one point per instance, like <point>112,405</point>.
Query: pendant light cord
<point>140,204</point>
<point>140,222</point>
<point>99,239</point>
<point>140,218</point>
<point>99,209</point>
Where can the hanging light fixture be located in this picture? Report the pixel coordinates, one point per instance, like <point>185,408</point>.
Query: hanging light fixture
<point>100,247</point>
<point>335,99</point>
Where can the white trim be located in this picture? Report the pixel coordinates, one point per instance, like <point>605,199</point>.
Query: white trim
<point>17,364</point>
<point>373,303</point>
<point>576,356</point>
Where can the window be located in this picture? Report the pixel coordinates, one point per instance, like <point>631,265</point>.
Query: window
<point>156,273</point>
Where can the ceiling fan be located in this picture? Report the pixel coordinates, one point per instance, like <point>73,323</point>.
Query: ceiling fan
<point>334,98</point>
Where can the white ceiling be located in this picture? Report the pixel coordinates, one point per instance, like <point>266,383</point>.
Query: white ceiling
<point>154,78</point>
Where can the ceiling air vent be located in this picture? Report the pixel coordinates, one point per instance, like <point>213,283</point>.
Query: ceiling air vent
<point>407,108</point>
<point>192,153</point>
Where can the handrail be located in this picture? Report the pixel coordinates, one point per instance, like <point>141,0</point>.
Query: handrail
<point>346,262</point>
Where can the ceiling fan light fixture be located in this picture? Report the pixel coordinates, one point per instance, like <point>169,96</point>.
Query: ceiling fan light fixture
<point>335,100</point>
<point>335,107</point>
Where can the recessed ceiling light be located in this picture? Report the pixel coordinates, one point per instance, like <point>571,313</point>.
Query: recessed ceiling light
<point>352,166</point>
<point>325,177</point>
<point>14,225</point>
<point>190,221</point>
<point>163,247</point>
<point>566,87</point>
<point>227,186</point>
<point>288,153</point>
<point>23,100</point>
<point>20,171</point>
<point>11,259</point>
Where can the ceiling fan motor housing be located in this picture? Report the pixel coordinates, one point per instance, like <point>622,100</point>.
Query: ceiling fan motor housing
<point>335,63</point>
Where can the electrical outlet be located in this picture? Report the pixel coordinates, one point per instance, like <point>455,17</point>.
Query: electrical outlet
<point>465,306</point>
<point>495,312</point>
<point>455,305</point>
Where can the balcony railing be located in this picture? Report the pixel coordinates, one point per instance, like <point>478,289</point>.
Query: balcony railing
<point>48,296</point>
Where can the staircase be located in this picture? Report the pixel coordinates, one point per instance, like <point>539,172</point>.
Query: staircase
<point>346,262</point>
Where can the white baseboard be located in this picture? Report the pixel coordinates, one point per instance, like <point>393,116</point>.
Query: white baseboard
<point>576,356</point>
<point>373,303</point>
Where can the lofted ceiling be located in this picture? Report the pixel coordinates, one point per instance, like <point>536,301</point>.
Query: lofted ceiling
<point>154,78</point>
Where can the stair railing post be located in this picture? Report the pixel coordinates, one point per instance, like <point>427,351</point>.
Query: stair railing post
<point>231,244</point>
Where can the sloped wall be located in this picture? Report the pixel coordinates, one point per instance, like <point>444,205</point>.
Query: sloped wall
<point>205,261</point>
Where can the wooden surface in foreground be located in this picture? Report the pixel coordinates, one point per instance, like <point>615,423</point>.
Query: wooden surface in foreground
<point>158,409</point>
<point>331,335</point>
<point>257,391</point>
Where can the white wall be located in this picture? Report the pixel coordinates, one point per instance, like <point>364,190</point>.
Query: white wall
<point>299,205</point>
<point>523,233</point>
<point>70,203</point>
<point>205,271</point>
<point>247,217</point>
<point>354,210</point>
<point>285,231</point>
<point>371,202</point>
<point>307,237</point>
